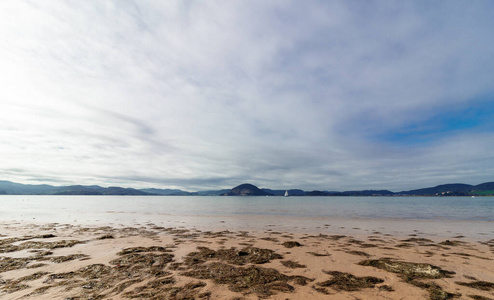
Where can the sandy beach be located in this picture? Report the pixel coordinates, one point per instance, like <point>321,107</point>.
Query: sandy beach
<point>63,261</point>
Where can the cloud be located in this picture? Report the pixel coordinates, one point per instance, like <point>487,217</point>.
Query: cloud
<point>195,95</point>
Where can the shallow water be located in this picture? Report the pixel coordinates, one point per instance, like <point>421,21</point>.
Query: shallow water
<point>443,216</point>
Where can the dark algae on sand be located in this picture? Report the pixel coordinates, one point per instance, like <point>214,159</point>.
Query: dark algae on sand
<point>223,267</point>
<point>415,274</point>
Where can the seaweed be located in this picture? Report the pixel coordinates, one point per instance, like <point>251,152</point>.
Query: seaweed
<point>292,244</point>
<point>319,254</point>
<point>62,259</point>
<point>155,289</point>
<point>210,264</point>
<point>217,234</point>
<point>377,240</point>
<point>246,255</point>
<point>7,246</point>
<point>478,297</point>
<point>420,241</point>
<point>348,282</point>
<point>410,272</point>
<point>50,245</point>
<point>143,249</point>
<point>479,285</point>
<point>123,285</point>
<point>428,253</point>
<point>367,245</point>
<point>39,291</point>
<point>360,253</point>
<point>14,287</point>
<point>336,237</point>
<point>386,288</point>
<point>34,266</point>
<point>251,279</point>
<point>435,291</point>
<point>471,255</point>
<point>301,280</point>
<point>150,264</point>
<point>176,266</point>
<point>45,236</point>
<point>9,263</point>
<point>270,239</point>
<point>292,264</point>
<point>134,265</point>
<point>31,277</point>
<point>9,241</point>
<point>452,243</point>
<point>321,290</point>
<point>410,269</point>
<point>11,286</point>
<point>244,234</point>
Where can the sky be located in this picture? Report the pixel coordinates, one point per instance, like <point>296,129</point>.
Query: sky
<point>199,95</point>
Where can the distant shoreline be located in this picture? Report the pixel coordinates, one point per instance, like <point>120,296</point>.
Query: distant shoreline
<point>444,190</point>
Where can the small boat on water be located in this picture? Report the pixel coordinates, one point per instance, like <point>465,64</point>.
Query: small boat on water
<point>286,194</point>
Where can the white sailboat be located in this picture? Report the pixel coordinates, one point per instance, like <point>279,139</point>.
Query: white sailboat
<point>286,193</point>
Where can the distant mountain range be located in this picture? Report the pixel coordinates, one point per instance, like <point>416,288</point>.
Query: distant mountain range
<point>454,189</point>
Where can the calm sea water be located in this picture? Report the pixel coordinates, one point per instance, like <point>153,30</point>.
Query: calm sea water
<point>238,212</point>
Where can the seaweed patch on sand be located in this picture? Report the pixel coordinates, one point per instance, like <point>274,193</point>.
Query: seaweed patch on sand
<point>215,265</point>
<point>412,273</point>
<point>479,285</point>
<point>359,253</point>
<point>156,262</point>
<point>478,297</point>
<point>9,245</point>
<point>409,269</point>
<point>342,281</point>
<point>435,291</point>
<point>10,286</point>
<point>318,254</point>
<point>292,264</point>
<point>234,256</point>
<point>292,244</point>
<point>97,281</point>
<point>165,289</point>
<point>264,282</point>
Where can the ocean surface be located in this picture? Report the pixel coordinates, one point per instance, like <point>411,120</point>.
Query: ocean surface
<point>443,216</point>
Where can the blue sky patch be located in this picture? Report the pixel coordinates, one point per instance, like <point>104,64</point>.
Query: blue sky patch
<point>477,117</point>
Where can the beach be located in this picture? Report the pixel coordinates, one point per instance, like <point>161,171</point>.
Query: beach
<point>247,150</point>
<point>149,261</point>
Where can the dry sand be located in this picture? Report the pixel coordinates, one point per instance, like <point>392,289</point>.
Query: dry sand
<point>62,261</point>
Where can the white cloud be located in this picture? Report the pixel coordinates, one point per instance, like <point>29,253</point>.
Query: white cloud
<point>209,94</point>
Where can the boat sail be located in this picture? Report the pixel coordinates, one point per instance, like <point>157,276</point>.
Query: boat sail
<point>286,193</point>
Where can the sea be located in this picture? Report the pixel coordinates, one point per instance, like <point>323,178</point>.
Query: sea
<point>432,216</point>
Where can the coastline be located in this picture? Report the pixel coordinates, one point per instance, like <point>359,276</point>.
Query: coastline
<point>442,228</point>
<point>75,261</point>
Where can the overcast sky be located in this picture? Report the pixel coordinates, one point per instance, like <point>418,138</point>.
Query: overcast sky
<point>328,95</point>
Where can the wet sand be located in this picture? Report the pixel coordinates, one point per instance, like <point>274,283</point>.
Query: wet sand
<point>64,261</point>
